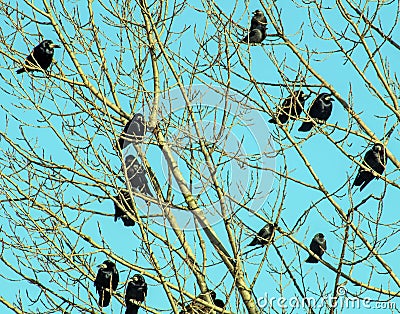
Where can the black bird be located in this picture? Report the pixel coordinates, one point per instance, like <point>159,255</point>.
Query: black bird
<point>195,307</point>
<point>258,28</point>
<point>137,175</point>
<point>291,107</point>
<point>133,131</point>
<point>106,282</point>
<point>136,290</point>
<point>375,159</point>
<point>317,246</point>
<point>124,199</point>
<point>263,236</point>
<point>41,56</point>
<point>319,111</point>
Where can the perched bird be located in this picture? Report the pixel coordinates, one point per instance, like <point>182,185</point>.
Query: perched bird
<point>319,111</point>
<point>41,56</point>
<point>317,246</point>
<point>291,107</point>
<point>263,236</point>
<point>195,307</point>
<point>258,28</point>
<point>124,199</point>
<point>106,282</point>
<point>136,175</point>
<point>375,159</point>
<point>136,290</point>
<point>133,131</point>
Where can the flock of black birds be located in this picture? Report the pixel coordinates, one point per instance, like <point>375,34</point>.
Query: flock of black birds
<point>107,278</point>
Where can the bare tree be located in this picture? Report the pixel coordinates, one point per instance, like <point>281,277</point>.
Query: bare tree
<point>216,169</point>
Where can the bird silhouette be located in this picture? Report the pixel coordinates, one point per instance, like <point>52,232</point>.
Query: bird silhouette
<point>317,246</point>
<point>133,131</point>
<point>41,56</point>
<point>291,107</point>
<point>196,307</point>
<point>375,159</point>
<point>122,204</point>
<point>263,236</point>
<point>319,111</point>
<point>136,175</point>
<point>258,29</point>
<point>106,282</point>
<point>137,291</point>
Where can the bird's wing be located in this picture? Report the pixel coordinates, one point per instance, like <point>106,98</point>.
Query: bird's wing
<point>314,110</point>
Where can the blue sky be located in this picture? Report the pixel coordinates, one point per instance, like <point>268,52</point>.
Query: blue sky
<point>329,163</point>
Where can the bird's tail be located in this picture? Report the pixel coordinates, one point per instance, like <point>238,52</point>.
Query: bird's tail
<point>128,222</point>
<point>104,298</point>
<point>306,126</point>
<point>311,259</point>
<point>131,309</point>
<point>253,243</point>
<point>21,70</point>
<point>272,121</point>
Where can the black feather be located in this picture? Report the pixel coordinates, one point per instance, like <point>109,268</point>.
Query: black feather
<point>41,56</point>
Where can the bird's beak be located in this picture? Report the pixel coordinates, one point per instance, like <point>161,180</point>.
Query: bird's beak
<point>102,266</point>
<point>54,46</point>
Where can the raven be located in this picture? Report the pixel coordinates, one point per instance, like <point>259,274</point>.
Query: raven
<point>375,159</point>
<point>137,175</point>
<point>124,199</point>
<point>133,131</point>
<point>106,282</point>
<point>263,236</point>
<point>317,246</point>
<point>41,56</point>
<point>137,291</point>
<point>319,111</point>
<point>258,28</point>
<point>291,107</point>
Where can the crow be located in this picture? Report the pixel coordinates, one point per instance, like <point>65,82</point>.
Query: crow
<point>319,111</point>
<point>137,291</point>
<point>133,131</point>
<point>106,282</point>
<point>263,236</point>
<point>317,246</point>
<point>124,199</point>
<point>195,307</point>
<point>41,56</point>
<point>137,175</point>
<point>375,159</point>
<point>291,107</point>
<point>258,28</point>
